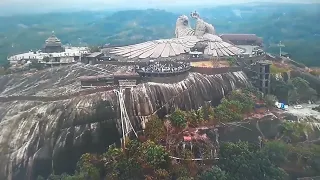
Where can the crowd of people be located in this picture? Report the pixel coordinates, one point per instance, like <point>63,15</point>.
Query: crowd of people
<point>164,67</point>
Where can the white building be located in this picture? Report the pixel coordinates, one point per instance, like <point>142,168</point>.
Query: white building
<point>61,56</point>
<point>70,55</point>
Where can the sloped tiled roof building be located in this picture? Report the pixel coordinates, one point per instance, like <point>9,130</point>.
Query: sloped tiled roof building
<point>243,39</point>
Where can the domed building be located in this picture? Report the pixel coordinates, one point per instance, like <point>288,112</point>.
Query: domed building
<point>53,45</point>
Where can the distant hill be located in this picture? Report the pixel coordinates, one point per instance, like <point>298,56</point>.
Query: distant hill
<point>295,25</point>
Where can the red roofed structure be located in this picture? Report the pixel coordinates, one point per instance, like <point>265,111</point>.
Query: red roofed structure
<point>187,138</point>
<point>242,39</point>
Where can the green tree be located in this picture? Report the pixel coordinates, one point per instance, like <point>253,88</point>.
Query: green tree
<point>120,165</point>
<point>240,160</point>
<point>46,59</point>
<point>155,129</point>
<point>88,166</point>
<point>40,178</point>
<point>277,151</point>
<point>270,100</point>
<point>296,131</point>
<point>138,160</point>
<point>193,117</point>
<point>206,112</point>
<point>293,96</point>
<point>65,176</point>
<point>232,61</point>
<point>229,111</point>
<point>299,156</point>
<point>281,89</point>
<point>93,49</point>
<point>155,156</point>
<point>162,174</point>
<point>185,178</point>
<point>215,173</point>
<point>244,98</point>
<point>178,119</point>
<point>303,89</point>
<point>36,65</point>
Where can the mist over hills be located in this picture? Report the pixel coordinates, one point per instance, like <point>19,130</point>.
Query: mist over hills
<point>297,26</point>
<point>13,7</point>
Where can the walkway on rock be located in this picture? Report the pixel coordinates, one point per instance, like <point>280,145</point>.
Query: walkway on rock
<point>56,98</point>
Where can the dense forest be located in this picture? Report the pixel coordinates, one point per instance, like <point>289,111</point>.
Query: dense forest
<point>295,25</point>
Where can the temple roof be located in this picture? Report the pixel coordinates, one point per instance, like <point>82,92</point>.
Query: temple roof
<point>53,40</point>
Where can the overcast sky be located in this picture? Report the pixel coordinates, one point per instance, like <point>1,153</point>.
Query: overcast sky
<point>19,6</point>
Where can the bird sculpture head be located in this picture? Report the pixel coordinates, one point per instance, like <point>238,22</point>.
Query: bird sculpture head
<point>182,21</point>
<point>182,26</point>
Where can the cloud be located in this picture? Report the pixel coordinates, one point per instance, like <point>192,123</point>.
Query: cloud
<point>61,3</point>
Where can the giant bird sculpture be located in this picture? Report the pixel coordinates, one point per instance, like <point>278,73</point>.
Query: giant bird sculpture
<point>203,38</point>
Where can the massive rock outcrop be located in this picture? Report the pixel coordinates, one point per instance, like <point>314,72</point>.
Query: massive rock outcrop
<point>40,134</point>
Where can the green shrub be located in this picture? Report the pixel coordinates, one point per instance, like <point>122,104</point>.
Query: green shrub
<point>155,129</point>
<point>229,111</point>
<point>178,119</point>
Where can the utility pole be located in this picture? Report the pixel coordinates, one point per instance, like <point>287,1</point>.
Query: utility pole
<point>280,45</point>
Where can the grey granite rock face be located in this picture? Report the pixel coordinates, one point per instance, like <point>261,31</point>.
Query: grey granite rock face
<point>38,137</point>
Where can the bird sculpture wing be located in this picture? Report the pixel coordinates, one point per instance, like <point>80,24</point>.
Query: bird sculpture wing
<point>216,47</point>
<point>184,31</point>
<point>186,38</point>
<point>157,48</point>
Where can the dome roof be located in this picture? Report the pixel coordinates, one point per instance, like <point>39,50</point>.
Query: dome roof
<point>53,40</point>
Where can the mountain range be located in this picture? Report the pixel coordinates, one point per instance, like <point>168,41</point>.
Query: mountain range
<point>296,25</point>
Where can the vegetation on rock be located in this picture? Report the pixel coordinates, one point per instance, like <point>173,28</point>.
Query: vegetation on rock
<point>150,159</point>
<point>270,100</point>
<point>94,49</point>
<point>240,161</point>
<point>293,91</point>
<point>303,89</point>
<point>178,119</point>
<point>234,106</point>
<point>215,173</point>
<point>155,130</point>
<point>229,111</point>
<point>232,61</point>
<point>315,72</point>
<point>237,161</point>
<point>278,70</point>
<point>295,131</point>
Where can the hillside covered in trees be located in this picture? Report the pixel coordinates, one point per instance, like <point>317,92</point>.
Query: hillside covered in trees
<point>160,154</point>
<point>296,25</point>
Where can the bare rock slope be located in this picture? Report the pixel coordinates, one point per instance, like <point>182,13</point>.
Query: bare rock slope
<point>47,121</point>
